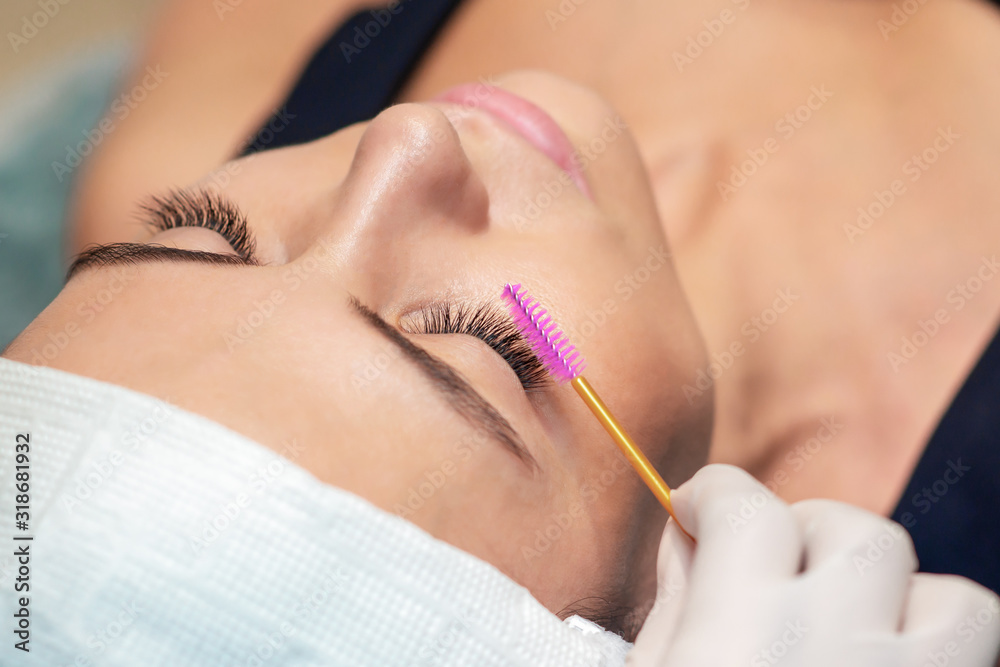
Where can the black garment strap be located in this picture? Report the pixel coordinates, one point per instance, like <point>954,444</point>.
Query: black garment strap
<point>357,73</point>
<point>952,504</point>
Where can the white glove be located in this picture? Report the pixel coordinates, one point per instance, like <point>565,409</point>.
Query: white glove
<point>815,583</point>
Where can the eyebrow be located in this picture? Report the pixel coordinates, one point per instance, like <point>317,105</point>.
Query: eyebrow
<point>459,394</point>
<point>178,208</point>
<point>456,390</point>
<point>130,254</point>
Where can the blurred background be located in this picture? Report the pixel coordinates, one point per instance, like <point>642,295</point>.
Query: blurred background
<point>59,63</point>
<point>80,26</point>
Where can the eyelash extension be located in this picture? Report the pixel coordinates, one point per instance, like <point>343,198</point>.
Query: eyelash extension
<point>201,208</point>
<point>492,326</point>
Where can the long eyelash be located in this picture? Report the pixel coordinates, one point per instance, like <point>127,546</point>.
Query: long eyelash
<point>201,208</point>
<point>494,327</point>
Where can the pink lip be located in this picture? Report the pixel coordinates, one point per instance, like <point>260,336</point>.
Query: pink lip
<point>527,119</point>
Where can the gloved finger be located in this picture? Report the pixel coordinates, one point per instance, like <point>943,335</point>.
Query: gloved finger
<point>952,621</point>
<point>859,564</point>
<point>658,630</point>
<point>746,535</point>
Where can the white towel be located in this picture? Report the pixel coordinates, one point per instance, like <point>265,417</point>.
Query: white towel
<point>163,538</point>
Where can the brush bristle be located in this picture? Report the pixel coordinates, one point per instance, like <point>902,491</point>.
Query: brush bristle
<point>560,358</point>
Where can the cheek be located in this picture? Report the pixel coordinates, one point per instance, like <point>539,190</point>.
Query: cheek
<point>477,497</point>
<point>120,320</point>
<point>557,556</point>
<point>541,536</point>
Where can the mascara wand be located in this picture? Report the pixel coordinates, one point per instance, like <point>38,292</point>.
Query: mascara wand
<point>565,363</point>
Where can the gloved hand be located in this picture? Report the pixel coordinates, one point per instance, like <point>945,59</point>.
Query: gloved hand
<point>815,583</point>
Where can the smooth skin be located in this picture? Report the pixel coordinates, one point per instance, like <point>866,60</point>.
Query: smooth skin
<point>825,358</point>
<point>402,211</point>
<point>691,126</point>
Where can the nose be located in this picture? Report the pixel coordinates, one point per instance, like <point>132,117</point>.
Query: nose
<point>411,180</point>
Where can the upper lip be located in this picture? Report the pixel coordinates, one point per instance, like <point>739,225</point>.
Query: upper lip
<point>527,119</point>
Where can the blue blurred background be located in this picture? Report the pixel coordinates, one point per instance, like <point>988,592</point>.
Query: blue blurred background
<point>55,81</point>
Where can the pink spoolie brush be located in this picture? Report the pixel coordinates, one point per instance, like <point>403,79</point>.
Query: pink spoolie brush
<point>565,363</point>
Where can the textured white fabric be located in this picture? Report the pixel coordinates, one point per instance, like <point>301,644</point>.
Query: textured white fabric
<point>163,538</point>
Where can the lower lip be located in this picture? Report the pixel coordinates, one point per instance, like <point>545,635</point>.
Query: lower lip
<point>525,118</point>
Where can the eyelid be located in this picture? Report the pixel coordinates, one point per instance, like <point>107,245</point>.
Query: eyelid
<point>202,208</point>
<point>472,350</point>
<point>462,396</point>
<point>194,237</point>
<point>489,323</point>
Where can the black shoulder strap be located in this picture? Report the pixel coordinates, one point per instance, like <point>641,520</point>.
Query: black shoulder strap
<point>356,74</point>
<point>952,504</point>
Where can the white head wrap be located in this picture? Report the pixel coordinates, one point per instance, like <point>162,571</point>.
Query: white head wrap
<point>163,538</point>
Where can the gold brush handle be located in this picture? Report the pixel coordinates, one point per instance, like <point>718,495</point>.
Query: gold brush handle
<point>631,451</point>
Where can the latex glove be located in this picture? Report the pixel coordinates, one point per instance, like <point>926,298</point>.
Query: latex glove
<point>815,583</point>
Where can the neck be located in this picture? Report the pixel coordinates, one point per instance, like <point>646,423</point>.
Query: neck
<point>819,216</point>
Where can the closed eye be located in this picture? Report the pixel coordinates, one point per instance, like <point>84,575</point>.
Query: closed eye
<point>490,324</point>
<point>487,322</point>
<point>202,208</point>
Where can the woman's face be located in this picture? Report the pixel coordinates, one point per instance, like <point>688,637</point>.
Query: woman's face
<point>371,245</point>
